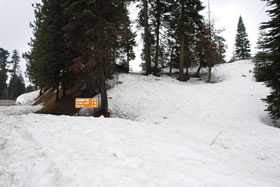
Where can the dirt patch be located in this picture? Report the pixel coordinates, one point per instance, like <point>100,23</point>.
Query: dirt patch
<point>65,105</point>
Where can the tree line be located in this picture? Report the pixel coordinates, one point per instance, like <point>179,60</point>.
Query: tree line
<point>177,35</point>
<point>16,85</point>
<point>86,41</point>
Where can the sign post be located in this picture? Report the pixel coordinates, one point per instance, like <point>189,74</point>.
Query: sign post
<point>86,103</point>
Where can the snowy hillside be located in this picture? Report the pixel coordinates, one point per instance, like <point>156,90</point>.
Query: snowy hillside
<point>172,134</point>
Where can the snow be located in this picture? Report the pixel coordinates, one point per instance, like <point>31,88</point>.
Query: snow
<point>28,98</point>
<point>171,134</point>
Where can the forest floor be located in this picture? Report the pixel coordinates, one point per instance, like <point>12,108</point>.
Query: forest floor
<point>163,133</point>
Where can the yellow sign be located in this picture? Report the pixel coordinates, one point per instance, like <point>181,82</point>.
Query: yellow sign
<point>86,103</point>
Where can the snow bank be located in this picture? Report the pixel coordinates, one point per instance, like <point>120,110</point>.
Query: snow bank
<point>28,98</point>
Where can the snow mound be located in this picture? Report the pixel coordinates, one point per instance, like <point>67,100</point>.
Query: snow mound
<point>28,98</point>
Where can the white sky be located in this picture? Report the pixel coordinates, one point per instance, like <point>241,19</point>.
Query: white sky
<point>15,16</point>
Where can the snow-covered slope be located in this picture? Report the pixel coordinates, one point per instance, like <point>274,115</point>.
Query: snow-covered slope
<point>172,134</point>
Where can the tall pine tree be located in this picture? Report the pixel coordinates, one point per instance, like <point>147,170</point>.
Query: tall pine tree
<point>187,20</point>
<point>16,85</point>
<point>261,59</point>
<point>49,58</point>
<point>147,42</point>
<point>242,44</point>
<point>271,46</point>
<point>92,32</point>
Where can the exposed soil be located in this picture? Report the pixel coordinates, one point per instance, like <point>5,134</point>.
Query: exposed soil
<point>65,105</point>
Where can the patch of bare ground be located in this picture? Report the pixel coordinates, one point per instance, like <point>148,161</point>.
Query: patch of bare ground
<point>65,105</point>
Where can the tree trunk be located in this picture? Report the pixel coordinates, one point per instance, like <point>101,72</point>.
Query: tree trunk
<point>103,92</point>
<point>114,56</point>
<point>127,57</point>
<point>182,44</point>
<point>209,73</point>
<point>57,93</point>
<point>157,37</point>
<point>147,40</point>
<point>187,73</point>
<point>63,89</point>
<point>198,71</point>
<point>171,61</point>
<point>182,58</point>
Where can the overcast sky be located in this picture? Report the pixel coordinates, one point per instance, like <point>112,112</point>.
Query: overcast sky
<point>15,33</point>
<point>15,16</point>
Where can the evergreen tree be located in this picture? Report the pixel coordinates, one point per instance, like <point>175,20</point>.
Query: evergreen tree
<point>4,55</point>
<point>49,58</point>
<point>147,43</point>
<point>210,48</point>
<point>35,67</point>
<point>123,51</point>
<point>272,49</point>
<point>154,35</point>
<point>261,59</point>
<point>242,44</point>
<point>207,49</point>
<point>128,44</point>
<point>221,49</point>
<point>16,85</point>
<point>189,25</point>
<point>92,31</point>
<point>185,19</point>
<point>157,13</point>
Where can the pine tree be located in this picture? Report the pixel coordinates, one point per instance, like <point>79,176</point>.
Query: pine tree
<point>187,20</point>
<point>92,31</point>
<point>4,55</point>
<point>16,86</point>
<point>157,13</point>
<point>128,44</point>
<point>207,49</point>
<point>35,68</point>
<point>272,48</point>
<point>171,34</point>
<point>147,46</point>
<point>49,57</point>
<point>123,49</point>
<point>221,49</point>
<point>242,44</point>
<point>261,59</point>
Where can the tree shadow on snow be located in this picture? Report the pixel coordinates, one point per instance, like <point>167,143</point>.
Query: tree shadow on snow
<point>266,119</point>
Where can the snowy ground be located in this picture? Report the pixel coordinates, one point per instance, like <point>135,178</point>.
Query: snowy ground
<point>171,134</point>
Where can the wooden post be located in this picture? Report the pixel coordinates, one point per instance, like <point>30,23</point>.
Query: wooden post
<point>78,111</point>
<point>94,112</point>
